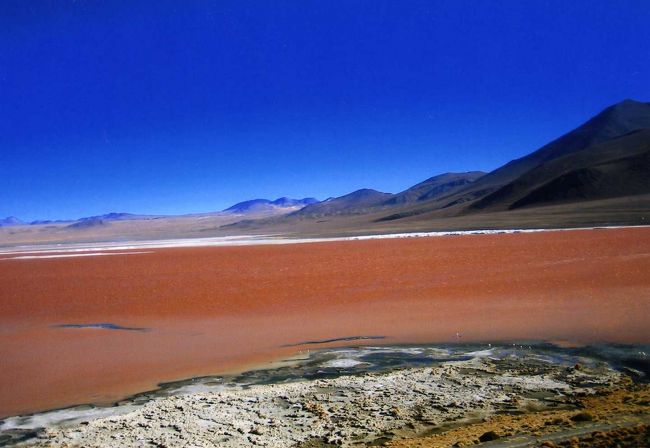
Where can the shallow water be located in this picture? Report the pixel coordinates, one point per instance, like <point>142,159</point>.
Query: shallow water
<point>217,310</point>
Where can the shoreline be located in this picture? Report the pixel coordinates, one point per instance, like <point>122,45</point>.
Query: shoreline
<point>253,240</point>
<point>456,386</point>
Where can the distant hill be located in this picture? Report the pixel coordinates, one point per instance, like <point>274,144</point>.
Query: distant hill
<point>359,201</point>
<point>367,200</point>
<point>434,187</point>
<point>266,205</point>
<point>103,220</point>
<point>10,221</point>
<point>119,217</point>
<point>281,205</point>
<point>47,221</point>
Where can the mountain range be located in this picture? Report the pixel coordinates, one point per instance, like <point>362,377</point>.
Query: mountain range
<point>603,158</point>
<point>252,207</point>
<point>606,158</point>
<point>596,174</point>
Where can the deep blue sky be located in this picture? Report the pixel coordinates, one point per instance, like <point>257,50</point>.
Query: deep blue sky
<point>176,107</point>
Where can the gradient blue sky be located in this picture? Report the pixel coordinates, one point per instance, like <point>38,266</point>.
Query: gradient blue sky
<point>177,107</point>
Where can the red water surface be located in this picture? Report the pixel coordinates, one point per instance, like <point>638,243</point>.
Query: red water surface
<point>216,310</point>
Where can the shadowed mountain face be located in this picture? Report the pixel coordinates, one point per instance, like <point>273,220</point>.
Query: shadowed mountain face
<point>613,168</point>
<point>621,177</point>
<point>264,205</point>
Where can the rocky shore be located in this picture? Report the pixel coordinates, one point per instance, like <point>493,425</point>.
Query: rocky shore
<point>407,405</point>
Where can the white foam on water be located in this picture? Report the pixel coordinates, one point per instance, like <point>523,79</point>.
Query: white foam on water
<point>481,353</point>
<point>191,389</point>
<point>64,416</point>
<point>342,363</point>
<point>92,254</point>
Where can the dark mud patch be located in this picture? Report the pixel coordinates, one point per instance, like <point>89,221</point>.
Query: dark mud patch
<point>15,436</point>
<point>344,339</point>
<point>102,326</point>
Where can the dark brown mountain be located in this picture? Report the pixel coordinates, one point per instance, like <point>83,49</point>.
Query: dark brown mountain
<point>615,121</point>
<point>623,177</point>
<point>617,167</point>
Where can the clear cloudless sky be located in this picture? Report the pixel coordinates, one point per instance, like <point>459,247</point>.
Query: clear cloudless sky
<point>189,106</point>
